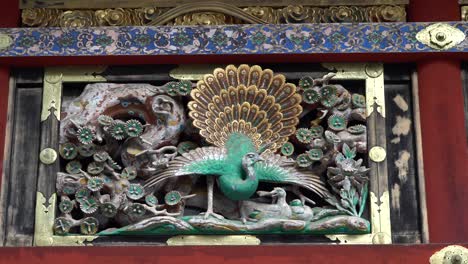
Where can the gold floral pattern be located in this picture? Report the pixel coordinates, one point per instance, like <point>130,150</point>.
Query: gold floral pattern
<point>41,17</point>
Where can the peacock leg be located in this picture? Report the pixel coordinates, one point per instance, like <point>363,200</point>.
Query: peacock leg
<point>209,211</point>
<point>295,189</point>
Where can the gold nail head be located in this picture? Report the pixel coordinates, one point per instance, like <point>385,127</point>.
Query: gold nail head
<point>377,154</point>
<point>48,156</point>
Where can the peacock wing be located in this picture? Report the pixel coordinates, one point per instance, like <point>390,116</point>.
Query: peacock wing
<point>280,169</point>
<point>201,161</point>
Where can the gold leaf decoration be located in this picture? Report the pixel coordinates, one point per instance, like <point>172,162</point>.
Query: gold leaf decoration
<point>40,17</point>
<point>265,13</point>
<point>78,18</point>
<point>114,17</point>
<point>202,19</point>
<point>211,14</point>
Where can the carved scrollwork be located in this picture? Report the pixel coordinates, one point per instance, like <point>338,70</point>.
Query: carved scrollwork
<point>211,13</point>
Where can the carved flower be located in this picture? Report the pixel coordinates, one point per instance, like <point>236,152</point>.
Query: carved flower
<point>266,14</point>
<point>295,14</point>
<point>77,18</point>
<point>40,17</point>
<point>388,13</point>
<point>339,14</point>
<point>113,17</point>
<point>203,19</point>
<point>347,170</point>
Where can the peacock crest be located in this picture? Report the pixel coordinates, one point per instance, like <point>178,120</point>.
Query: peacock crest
<point>247,100</point>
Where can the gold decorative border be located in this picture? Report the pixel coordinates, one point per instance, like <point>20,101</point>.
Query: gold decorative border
<point>51,103</point>
<point>43,231</point>
<point>210,240</point>
<point>54,78</point>
<point>372,74</point>
<point>211,13</point>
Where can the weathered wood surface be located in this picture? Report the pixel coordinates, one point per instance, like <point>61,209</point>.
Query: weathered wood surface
<point>48,172</point>
<point>20,196</point>
<point>402,165</point>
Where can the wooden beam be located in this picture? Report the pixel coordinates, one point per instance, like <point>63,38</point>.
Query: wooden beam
<point>224,254</point>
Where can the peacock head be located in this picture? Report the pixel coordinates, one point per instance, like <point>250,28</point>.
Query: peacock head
<point>278,193</point>
<point>250,159</point>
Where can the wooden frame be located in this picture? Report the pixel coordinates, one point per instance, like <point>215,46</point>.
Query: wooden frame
<point>55,78</point>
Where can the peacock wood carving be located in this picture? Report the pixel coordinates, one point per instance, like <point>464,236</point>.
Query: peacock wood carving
<point>247,113</point>
<point>131,164</point>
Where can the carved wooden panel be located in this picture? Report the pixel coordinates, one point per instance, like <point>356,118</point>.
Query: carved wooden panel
<point>405,217</point>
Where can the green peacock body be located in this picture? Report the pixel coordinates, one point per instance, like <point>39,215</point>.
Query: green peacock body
<point>240,111</point>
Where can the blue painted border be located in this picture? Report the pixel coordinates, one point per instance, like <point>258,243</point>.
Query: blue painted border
<point>230,39</point>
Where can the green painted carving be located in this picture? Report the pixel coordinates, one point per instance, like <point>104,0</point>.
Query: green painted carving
<point>249,161</point>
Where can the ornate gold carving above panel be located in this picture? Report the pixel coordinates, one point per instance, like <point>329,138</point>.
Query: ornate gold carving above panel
<point>211,13</point>
<point>101,4</point>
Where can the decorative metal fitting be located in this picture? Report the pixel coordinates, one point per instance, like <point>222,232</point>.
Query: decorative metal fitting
<point>377,154</point>
<point>452,254</point>
<point>5,41</point>
<point>48,156</point>
<point>440,36</point>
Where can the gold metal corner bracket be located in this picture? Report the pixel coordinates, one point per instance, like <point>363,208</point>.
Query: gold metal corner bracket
<point>43,230</point>
<point>380,224</point>
<point>373,75</point>
<point>440,36</point>
<point>53,82</point>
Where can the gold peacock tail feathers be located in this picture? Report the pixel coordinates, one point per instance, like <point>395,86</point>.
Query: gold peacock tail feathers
<point>248,100</point>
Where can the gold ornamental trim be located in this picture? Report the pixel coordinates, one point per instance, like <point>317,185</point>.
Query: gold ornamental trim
<point>96,4</point>
<point>211,13</point>
<point>211,240</point>
<point>53,79</point>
